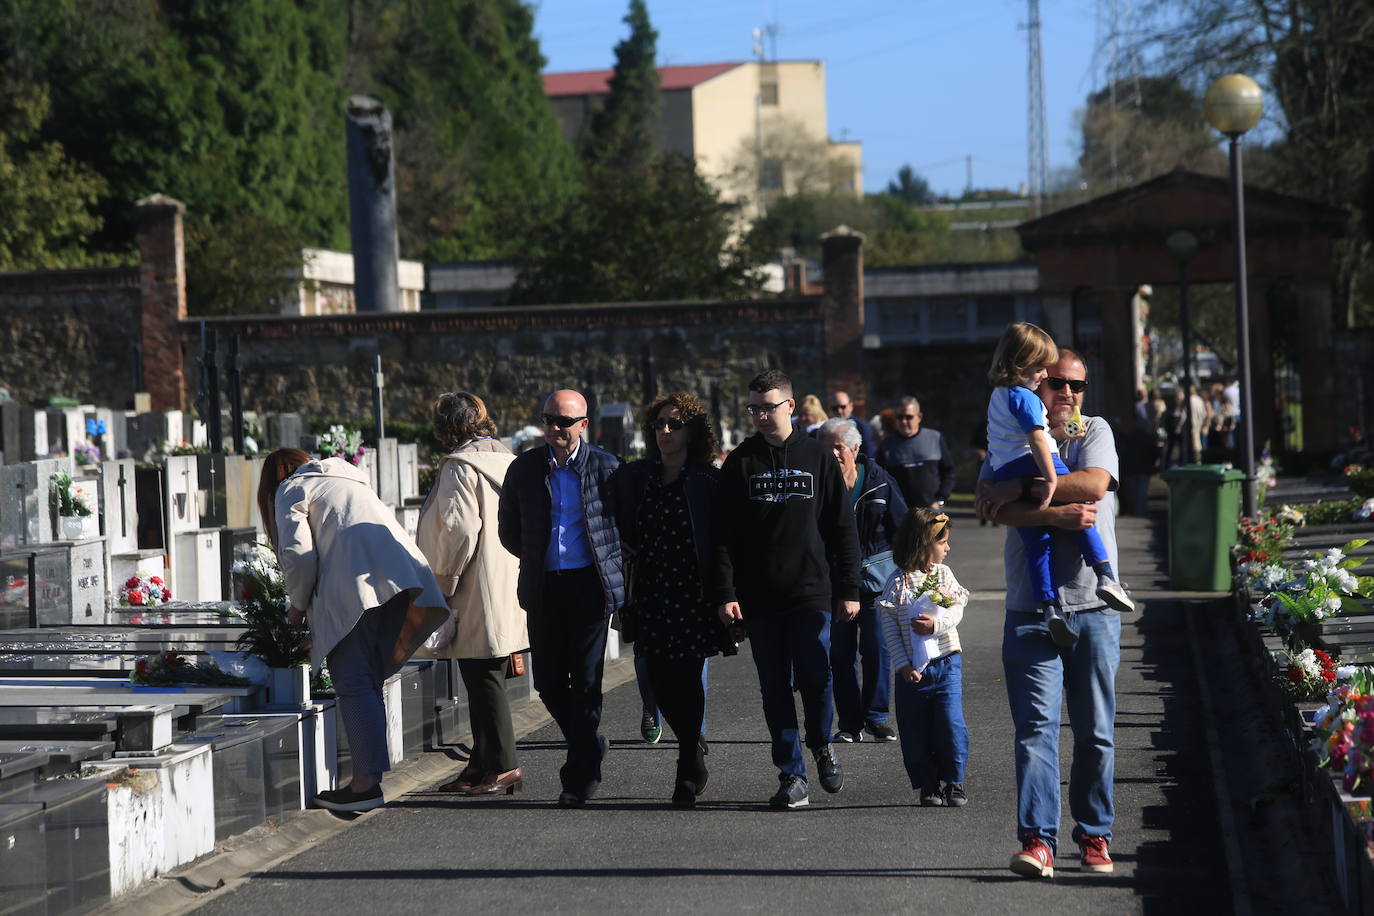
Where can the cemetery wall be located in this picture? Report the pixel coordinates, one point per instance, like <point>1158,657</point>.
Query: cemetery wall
<point>72,333</point>
<point>322,367</point>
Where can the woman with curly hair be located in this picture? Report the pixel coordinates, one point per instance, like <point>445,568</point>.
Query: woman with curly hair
<point>666,512</point>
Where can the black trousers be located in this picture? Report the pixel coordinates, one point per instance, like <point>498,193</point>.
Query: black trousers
<point>568,641</point>
<point>678,691</point>
<point>493,735</point>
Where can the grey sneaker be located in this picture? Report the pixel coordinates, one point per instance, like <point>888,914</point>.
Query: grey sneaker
<point>955,796</point>
<point>829,770</point>
<point>1111,592</point>
<point>791,793</point>
<point>932,797</point>
<point>1059,627</point>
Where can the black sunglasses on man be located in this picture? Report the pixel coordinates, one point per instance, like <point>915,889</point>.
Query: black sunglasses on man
<point>1076,385</point>
<point>560,422</point>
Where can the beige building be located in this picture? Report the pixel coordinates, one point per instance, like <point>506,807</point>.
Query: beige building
<point>758,130</point>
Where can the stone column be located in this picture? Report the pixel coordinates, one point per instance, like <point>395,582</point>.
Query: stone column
<point>162,282</point>
<point>372,206</point>
<point>842,261</point>
<point>1320,413</point>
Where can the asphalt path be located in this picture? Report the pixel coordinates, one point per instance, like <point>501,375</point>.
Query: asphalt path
<point>870,847</point>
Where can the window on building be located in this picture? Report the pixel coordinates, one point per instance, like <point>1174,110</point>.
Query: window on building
<point>841,176</point>
<point>949,318</point>
<point>768,93</point>
<point>770,174</point>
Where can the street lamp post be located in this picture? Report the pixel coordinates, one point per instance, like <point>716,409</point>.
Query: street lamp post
<point>1182,246</point>
<point>1233,105</point>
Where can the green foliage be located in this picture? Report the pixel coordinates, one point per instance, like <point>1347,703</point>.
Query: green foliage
<point>68,503</point>
<point>1154,125</point>
<point>658,234</point>
<point>262,607</point>
<point>245,264</point>
<point>911,187</point>
<point>621,133</point>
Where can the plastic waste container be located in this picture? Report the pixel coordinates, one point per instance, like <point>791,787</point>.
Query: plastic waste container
<point>1204,506</point>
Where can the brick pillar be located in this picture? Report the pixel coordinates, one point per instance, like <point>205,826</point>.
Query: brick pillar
<point>842,262</point>
<point>162,281</point>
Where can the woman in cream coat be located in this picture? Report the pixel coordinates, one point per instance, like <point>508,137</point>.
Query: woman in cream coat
<point>365,589</point>
<point>457,534</point>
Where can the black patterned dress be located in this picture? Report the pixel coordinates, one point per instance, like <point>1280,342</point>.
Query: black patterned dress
<point>675,621</point>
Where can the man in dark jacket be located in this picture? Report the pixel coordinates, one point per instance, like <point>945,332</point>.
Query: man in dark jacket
<point>917,458</point>
<point>878,512</point>
<point>842,405</point>
<point>557,516</point>
<point>787,556</point>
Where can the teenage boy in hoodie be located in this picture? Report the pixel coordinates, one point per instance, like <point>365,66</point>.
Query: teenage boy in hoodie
<point>788,556</point>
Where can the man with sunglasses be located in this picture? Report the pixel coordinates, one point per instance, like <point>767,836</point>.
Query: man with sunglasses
<point>917,458</point>
<point>841,405</point>
<point>1039,673</point>
<point>557,515</point>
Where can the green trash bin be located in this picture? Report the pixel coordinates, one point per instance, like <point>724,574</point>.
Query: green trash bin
<point>1204,506</point>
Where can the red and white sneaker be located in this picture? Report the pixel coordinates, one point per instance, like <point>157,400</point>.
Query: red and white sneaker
<point>1095,857</point>
<point>1034,860</point>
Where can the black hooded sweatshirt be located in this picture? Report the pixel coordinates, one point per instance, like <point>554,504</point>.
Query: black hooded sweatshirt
<point>787,541</point>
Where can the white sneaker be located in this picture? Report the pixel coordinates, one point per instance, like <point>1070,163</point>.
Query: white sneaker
<point>1111,592</point>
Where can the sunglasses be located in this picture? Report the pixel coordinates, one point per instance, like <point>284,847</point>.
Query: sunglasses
<point>906,416</point>
<point>1056,383</point>
<point>561,422</point>
<point>838,407</point>
<point>672,424</point>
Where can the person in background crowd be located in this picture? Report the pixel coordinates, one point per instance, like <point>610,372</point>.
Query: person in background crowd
<point>557,514</point>
<point>843,406</point>
<point>364,588</point>
<point>667,521</point>
<point>917,458</point>
<point>457,534</point>
<point>862,706</point>
<point>810,415</point>
<point>788,557</point>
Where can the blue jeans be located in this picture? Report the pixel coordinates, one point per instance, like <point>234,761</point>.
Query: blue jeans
<point>359,664</point>
<point>793,645</point>
<point>867,701</point>
<point>1038,673</point>
<point>930,722</point>
<point>1037,538</point>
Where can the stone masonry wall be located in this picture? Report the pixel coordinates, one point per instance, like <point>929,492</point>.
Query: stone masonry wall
<point>72,333</point>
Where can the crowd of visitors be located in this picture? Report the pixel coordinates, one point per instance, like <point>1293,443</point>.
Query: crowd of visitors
<point>819,541</point>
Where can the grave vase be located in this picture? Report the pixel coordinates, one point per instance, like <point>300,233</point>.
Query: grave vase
<point>73,527</point>
<point>289,687</point>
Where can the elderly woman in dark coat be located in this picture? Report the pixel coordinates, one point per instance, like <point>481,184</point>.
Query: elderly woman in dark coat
<point>666,517</point>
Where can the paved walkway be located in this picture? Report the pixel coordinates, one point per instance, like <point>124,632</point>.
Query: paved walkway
<point>868,848</point>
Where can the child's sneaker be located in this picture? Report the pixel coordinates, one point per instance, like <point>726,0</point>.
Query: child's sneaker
<point>1059,627</point>
<point>1034,860</point>
<point>1111,592</point>
<point>1095,856</point>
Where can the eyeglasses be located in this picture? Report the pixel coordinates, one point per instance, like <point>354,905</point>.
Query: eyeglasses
<point>761,410</point>
<point>672,424</point>
<point>1056,383</point>
<point>561,422</point>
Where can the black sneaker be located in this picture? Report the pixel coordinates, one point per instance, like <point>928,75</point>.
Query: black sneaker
<point>955,796</point>
<point>829,770</point>
<point>848,737</point>
<point>348,800</point>
<point>932,797</point>
<point>880,731</point>
<point>791,793</point>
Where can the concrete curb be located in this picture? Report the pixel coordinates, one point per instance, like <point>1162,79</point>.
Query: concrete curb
<point>240,858</point>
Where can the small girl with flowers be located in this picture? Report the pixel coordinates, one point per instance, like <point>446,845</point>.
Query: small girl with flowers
<point>920,609</point>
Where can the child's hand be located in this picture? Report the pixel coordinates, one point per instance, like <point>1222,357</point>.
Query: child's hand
<point>923,625</point>
<point>909,674</point>
<point>1050,486</point>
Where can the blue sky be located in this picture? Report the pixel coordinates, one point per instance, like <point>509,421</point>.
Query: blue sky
<point>925,82</point>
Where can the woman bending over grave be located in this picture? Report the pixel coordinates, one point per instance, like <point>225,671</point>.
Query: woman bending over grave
<point>365,590</point>
<point>457,534</point>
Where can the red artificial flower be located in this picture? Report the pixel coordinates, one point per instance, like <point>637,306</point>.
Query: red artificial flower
<point>166,594</point>
<point>135,597</point>
<point>132,583</point>
<point>1295,674</point>
<point>155,580</point>
<point>246,594</point>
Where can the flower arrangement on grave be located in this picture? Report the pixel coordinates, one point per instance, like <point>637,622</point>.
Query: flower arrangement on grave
<point>86,454</point>
<point>1318,588</point>
<point>342,442</point>
<point>262,607</point>
<point>185,448</point>
<point>1306,675</point>
<point>68,502</point>
<point>1266,473</point>
<point>1290,516</point>
<point>1364,511</point>
<point>1261,539</point>
<point>1360,479</point>
<point>1343,731</point>
<point>144,590</point>
<point>166,668</point>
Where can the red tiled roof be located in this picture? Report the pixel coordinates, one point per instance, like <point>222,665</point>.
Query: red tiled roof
<point>597,82</point>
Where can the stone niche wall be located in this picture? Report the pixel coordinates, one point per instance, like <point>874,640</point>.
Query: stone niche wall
<point>512,357</point>
<point>70,332</point>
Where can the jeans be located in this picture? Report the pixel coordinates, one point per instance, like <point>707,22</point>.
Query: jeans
<point>1038,673</point>
<point>867,701</point>
<point>358,665</point>
<point>786,646</point>
<point>568,642</point>
<point>930,722</point>
<point>1037,538</point>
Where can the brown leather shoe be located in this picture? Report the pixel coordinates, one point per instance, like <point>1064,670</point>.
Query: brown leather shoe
<point>507,783</point>
<point>471,776</point>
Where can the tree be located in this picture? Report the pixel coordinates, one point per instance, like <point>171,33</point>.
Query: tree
<point>1136,130</point>
<point>621,133</point>
<point>662,234</point>
<point>788,159</point>
<point>911,187</point>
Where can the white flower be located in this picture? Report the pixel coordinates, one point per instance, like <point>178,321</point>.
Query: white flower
<point>1343,673</point>
<point>1365,510</point>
